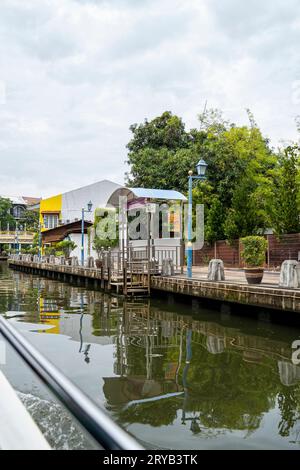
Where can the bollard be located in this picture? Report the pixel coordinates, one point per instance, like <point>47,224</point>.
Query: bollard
<point>216,270</point>
<point>289,274</point>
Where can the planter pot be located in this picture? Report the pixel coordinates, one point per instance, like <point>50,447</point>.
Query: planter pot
<point>98,263</point>
<point>254,275</point>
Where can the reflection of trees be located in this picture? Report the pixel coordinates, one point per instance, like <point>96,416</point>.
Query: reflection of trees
<point>232,377</point>
<point>289,405</point>
<point>157,413</point>
<point>227,392</point>
<point>223,390</point>
<point>230,390</point>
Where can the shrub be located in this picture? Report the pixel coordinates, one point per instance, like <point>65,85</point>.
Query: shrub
<point>254,251</point>
<point>65,248</point>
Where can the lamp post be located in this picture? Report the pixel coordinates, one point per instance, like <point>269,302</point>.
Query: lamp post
<point>17,238</point>
<point>89,206</point>
<point>201,171</point>
<point>40,240</point>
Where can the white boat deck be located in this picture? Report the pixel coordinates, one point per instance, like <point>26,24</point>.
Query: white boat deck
<point>18,431</point>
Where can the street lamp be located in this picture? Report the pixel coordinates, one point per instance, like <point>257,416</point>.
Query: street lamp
<point>40,240</point>
<point>17,237</point>
<point>201,170</point>
<point>89,206</point>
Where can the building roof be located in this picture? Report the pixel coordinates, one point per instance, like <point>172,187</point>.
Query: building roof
<point>60,232</point>
<point>22,200</point>
<point>15,199</point>
<point>164,194</point>
<point>31,200</point>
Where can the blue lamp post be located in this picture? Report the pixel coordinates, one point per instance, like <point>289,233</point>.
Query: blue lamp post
<point>89,206</point>
<point>17,238</point>
<point>201,171</point>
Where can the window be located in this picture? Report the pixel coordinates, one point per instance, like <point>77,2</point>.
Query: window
<point>18,212</point>
<point>50,220</point>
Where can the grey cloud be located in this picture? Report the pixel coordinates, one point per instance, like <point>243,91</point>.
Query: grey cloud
<point>245,19</point>
<point>78,73</point>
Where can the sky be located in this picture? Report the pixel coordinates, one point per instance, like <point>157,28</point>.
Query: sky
<point>75,74</point>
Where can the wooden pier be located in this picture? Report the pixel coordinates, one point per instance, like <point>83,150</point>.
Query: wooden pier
<point>133,280</point>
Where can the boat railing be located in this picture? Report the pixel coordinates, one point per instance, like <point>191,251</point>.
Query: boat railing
<point>95,421</point>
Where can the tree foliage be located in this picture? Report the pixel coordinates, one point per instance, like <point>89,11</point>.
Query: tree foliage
<point>30,219</point>
<point>254,251</point>
<point>286,192</point>
<point>5,213</point>
<point>160,153</point>
<point>106,229</point>
<point>239,193</point>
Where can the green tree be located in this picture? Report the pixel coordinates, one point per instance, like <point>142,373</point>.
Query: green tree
<point>214,223</point>
<point>161,153</point>
<point>286,194</point>
<point>240,175</point>
<point>5,214</point>
<point>106,229</point>
<point>66,247</point>
<point>30,219</point>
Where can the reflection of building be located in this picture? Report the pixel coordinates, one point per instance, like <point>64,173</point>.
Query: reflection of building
<point>49,314</point>
<point>213,376</point>
<point>289,373</point>
<point>215,345</point>
<point>123,390</point>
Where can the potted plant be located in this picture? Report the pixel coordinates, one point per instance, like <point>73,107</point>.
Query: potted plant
<point>254,256</point>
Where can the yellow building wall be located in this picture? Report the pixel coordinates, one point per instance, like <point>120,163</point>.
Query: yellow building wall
<point>50,205</point>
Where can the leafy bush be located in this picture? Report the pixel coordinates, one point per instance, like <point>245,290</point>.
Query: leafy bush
<point>65,248</point>
<point>254,251</point>
<point>106,228</point>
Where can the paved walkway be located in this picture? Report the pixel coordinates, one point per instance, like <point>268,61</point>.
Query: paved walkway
<point>236,275</point>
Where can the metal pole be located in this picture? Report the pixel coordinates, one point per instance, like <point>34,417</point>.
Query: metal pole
<point>17,238</point>
<point>189,250</point>
<point>105,431</point>
<point>40,240</point>
<point>82,238</point>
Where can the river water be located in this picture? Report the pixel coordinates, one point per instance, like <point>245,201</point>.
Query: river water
<point>174,376</point>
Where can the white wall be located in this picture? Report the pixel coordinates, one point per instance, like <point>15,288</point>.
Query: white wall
<point>76,238</point>
<point>97,193</point>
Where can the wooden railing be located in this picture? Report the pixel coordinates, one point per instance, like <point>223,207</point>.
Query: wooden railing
<point>131,268</point>
<point>13,236</point>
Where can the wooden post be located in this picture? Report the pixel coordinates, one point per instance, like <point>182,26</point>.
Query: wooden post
<point>102,276</point>
<point>181,256</point>
<point>124,277</point>
<point>109,269</point>
<point>149,278</point>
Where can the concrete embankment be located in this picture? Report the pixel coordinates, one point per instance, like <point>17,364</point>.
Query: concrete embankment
<point>265,295</point>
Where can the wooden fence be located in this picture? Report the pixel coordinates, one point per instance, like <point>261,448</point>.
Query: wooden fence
<point>279,249</point>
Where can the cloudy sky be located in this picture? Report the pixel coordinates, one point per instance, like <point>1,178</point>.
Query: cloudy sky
<point>74,74</point>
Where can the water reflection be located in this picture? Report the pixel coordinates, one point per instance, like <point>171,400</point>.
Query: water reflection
<point>209,378</point>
